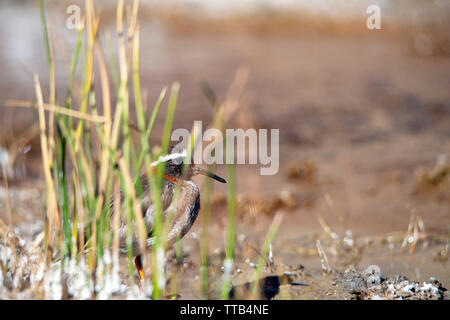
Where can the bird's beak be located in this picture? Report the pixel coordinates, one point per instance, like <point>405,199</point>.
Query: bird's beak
<point>200,170</point>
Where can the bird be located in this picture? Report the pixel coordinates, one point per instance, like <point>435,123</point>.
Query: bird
<point>187,206</point>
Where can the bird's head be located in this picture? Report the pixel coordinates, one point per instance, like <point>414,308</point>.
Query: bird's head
<point>175,167</point>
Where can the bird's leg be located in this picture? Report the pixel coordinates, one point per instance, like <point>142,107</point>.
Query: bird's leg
<point>138,263</point>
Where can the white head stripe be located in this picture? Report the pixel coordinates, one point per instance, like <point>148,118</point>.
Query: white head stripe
<point>171,156</point>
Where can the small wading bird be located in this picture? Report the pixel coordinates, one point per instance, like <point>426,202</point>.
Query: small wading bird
<point>187,206</point>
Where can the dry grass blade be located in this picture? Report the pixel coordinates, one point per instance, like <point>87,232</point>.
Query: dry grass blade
<point>92,24</point>
<point>136,204</point>
<point>333,235</point>
<point>37,241</point>
<point>323,258</point>
<point>234,94</point>
<point>414,233</point>
<point>333,208</point>
<point>52,209</point>
<point>8,202</point>
<point>104,168</point>
<point>57,109</point>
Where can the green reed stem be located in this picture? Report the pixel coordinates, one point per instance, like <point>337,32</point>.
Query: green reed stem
<point>270,236</point>
<point>231,231</point>
<point>156,189</point>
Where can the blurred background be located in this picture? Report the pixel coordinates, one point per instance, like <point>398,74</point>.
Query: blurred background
<point>364,115</point>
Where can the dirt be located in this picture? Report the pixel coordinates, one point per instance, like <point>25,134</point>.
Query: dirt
<point>363,118</point>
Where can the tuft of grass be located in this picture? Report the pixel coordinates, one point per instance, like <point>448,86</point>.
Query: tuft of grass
<point>231,232</point>
<point>93,166</point>
<point>265,251</point>
<point>91,153</point>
